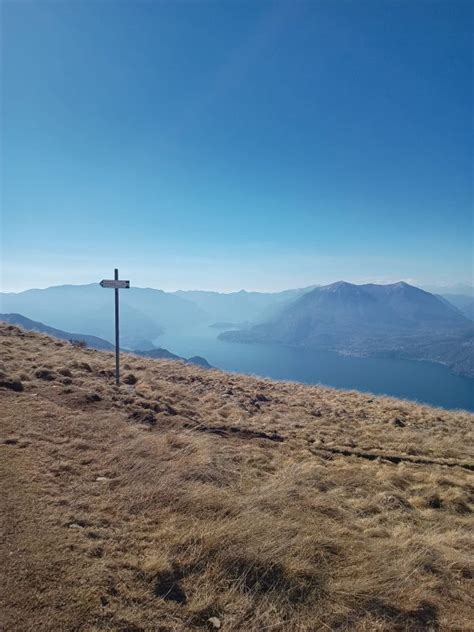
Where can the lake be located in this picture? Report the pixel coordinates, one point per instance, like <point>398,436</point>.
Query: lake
<point>419,381</point>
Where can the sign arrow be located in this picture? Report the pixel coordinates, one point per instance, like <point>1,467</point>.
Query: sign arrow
<point>116,284</point>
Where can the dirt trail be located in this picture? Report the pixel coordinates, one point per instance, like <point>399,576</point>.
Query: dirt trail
<point>391,458</point>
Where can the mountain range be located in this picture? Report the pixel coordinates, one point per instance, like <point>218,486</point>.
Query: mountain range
<point>343,309</point>
<point>242,306</point>
<point>397,320</point>
<point>146,313</point>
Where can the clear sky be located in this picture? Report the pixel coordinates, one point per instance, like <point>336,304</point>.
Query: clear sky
<point>227,145</point>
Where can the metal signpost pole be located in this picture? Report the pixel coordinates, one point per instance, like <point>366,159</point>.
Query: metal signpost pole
<point>117,337</point>
<point>116,284</point>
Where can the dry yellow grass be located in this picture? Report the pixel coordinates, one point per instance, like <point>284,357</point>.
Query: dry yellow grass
<point>195,498</point>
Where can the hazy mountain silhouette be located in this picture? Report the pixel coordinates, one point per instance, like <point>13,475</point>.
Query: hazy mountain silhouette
<point>145,313</point>
<point>464,303</point>
<point>463,289</point>
<point>243,306</point>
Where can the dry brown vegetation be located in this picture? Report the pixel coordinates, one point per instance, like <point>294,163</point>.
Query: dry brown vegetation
<point>190,499</point>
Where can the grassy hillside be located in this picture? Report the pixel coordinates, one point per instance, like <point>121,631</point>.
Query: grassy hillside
<point>33,325</point>
<point>192,500</point>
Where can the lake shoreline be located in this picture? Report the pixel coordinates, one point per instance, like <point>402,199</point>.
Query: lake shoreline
<point>423,381</point>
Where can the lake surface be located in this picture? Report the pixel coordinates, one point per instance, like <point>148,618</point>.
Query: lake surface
<point>419,381</point>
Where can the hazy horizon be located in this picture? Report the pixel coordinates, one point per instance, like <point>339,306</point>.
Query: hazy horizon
<point>449,288</point>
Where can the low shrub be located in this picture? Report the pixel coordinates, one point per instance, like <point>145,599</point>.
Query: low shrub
<point>79,344</point>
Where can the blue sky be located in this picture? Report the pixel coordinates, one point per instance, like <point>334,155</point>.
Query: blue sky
<point>221,145</point>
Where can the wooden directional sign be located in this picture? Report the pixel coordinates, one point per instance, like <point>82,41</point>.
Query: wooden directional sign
<point>115,284</point>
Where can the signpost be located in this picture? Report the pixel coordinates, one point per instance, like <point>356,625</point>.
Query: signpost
<point>116,284</point>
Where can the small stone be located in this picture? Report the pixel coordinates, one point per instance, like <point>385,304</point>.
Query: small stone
<point>45,374</point>
<point>214,622</point>
<point>93,397</point>
<point>14,385</point>
<point>74,525</point>
<point>130,379</point>
<point>102,478</point>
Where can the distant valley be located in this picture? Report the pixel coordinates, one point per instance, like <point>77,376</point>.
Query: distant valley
<point>146,313</point>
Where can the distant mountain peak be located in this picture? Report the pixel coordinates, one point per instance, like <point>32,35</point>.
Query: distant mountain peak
<point>340,284</point>
<point>336,286</point>
<point>344,310</point>
<point>339,287</point>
